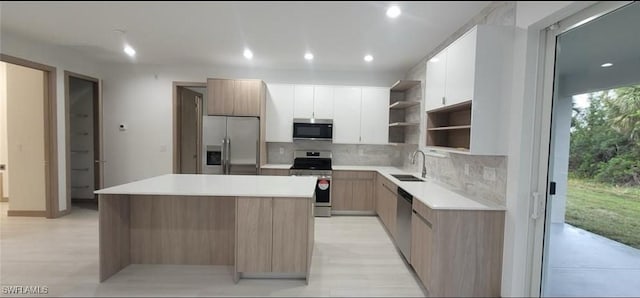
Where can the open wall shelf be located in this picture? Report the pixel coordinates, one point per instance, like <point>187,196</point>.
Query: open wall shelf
<point>450,127</point>
<point>404,97</point>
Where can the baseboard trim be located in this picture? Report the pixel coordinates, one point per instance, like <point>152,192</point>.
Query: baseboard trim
<point>4,199</point>
<point>63,212</point>
<point>27,213</point>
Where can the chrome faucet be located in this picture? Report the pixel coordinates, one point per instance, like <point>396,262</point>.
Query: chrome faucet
<point>424,165</point>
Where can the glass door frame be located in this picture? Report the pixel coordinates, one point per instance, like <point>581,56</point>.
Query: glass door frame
<point>542,164</point>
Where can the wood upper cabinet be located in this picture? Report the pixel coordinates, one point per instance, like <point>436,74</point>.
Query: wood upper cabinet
<point>220,97</point>
<point>274,234</point>
<point>227,97</point>
<point>247,98</point>
<point>352,191</point>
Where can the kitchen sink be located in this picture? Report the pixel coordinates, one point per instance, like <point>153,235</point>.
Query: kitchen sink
<point>404,177</point>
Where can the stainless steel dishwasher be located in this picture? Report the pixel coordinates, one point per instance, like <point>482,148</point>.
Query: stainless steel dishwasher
<point>403,222</point>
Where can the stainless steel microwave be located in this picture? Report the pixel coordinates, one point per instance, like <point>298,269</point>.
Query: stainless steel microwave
<point>313,129</point>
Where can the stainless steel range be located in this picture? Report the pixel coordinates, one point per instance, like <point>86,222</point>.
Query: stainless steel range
<point>318,164</point>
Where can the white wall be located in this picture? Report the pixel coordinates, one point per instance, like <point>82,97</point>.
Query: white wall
<point>62,59</point>
<point>4,158</point>
<point>531,19</point>
<point>141,97</point>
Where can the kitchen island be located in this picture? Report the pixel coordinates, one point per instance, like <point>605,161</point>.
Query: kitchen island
<point>263,226</point>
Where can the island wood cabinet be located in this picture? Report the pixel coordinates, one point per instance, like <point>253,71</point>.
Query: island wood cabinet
<point>457,252</point>
<point>386,200</point>
<point>352,191</point>
<point>226,97</point>
<point>274,235</point>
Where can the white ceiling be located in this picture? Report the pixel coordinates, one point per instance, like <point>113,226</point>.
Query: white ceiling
<point>195,33</point>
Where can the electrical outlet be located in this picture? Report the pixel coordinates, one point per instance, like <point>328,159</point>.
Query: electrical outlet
<point>281,150</point>
<point>466,169</point>
<point>489,174</point>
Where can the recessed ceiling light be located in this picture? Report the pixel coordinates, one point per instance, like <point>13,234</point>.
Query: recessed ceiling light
<point>394,12</point>
<point>308,56</point>
<point>247,53</point>
<point>606,64</point>
<point>129,50</point>
<point>434,59</point>
<point>368,58</point>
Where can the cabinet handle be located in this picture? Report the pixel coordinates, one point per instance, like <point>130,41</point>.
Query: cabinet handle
<point>443,101</point>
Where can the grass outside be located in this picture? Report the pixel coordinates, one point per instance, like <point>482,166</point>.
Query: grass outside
<point>610,211</point>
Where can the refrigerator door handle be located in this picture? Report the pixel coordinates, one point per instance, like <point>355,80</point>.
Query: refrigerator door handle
<point>224,156</point>
<point>228,156</point>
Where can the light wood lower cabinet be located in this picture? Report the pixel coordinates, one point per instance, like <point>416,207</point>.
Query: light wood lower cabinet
<point>273,234</point>
<point>254,223</point>
<point>274,172</point>
<point>352,191</point>
<point>457,252</point>
<point>386,200</point>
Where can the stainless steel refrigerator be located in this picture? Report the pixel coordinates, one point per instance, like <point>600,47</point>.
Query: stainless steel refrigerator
<point>231,145</point>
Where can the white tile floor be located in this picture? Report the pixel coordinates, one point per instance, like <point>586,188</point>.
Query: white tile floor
<point>353,256</point>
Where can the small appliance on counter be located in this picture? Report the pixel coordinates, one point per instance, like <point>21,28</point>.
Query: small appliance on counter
<point>318,164</point>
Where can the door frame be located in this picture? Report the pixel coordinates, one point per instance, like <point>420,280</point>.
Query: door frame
<point>176,123</point>
<point>97,131</point>
<point>51,165</point>
<point>544,129</point>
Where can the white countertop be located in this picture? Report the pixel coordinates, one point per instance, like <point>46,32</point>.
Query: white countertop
<point>219,185</point>
<point>429,192</point>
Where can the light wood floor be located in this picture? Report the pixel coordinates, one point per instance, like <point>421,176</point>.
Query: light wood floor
<point>353,256</point>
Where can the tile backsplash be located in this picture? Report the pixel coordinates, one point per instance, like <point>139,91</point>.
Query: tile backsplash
<point>343,154</point>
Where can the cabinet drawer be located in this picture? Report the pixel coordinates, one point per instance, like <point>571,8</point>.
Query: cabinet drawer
<point>367,175</point>
<point>387,183</point>
<point>274,172</point>
<point>423,210</point>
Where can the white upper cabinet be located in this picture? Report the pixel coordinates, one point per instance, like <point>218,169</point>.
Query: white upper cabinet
<point>461,64</point>
<point>475,86</point>
<point>323,102</point>
<point>451,74</point>
<point>435,83</point>
<point>374,123</point>
<point>279,114</point>
<point>347,103</point>
<point>303,101</point>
